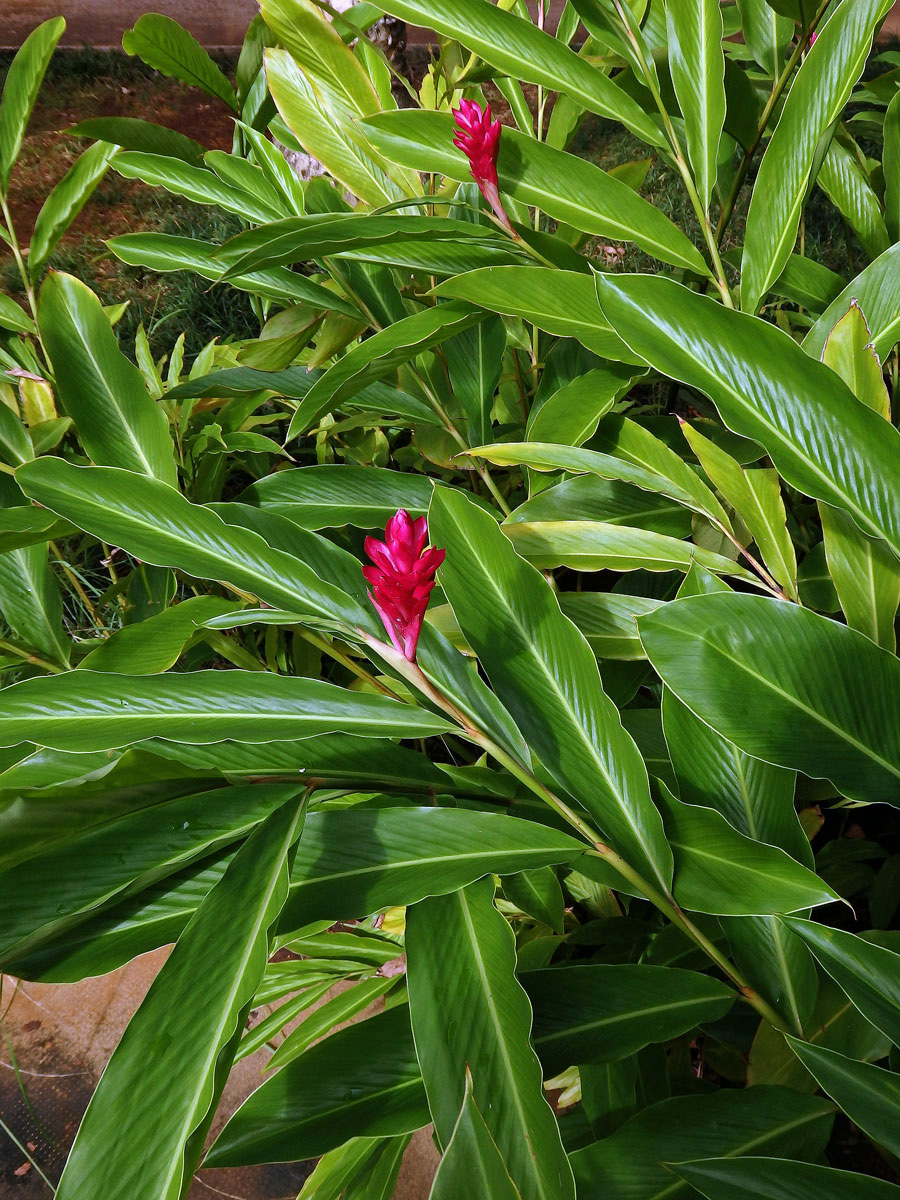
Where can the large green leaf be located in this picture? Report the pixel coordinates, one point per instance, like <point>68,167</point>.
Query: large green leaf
<point>133,133</point>
<point>545,672</point>
<point>630,1164</point>
<point>844,181</point>
<point>31,602</point>
<point>600,1013</point>
<point>336,494</point>
<point>20,91</point>
<point>363,1081</point>
<point>822,440</point>
<point>697,63</point>
<point>591,499</point>
<point>866,577</point>
<point>778,1179</point>
<point>804,683</point>
<point>567,188</point>
<point>154,645</point>
<point>877,293</point>
<point>777,964</point>
<point>120,425</point>
<point>817,97</point>
<point>157,525</point>
<point>469,1012</point>
<point>198,184</point>
<point>173,1059</point>
<point>92,710</point>
<point>472,1160</point>
<point>766,34</point>
<point>868,973</point>
<point>46,893</point>
<point>379,356</point>
<point>869,1095</point>
<point>164,45</point>
<point>608,621</point>
<point>560,302</point>
<point>518,48</point>
<point>65,202</point>
<point>571,414</point>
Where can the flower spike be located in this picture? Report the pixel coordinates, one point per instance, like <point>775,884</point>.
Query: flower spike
<point>402,578</point>
<point>478,136</point>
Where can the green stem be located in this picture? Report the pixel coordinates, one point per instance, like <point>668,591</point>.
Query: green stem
<point>20,261</point>
<point>34,659</point>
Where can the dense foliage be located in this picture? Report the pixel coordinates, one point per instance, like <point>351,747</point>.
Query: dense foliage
<point>611,840</point>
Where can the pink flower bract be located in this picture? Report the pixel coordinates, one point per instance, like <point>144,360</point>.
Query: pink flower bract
<point>402,578</point>
<point>478,136</point>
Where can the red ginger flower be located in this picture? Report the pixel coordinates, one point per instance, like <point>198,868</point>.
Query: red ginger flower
<point>478,137</point>
<point>402,578</point>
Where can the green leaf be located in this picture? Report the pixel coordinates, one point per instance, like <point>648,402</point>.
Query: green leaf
<point>474,365</point>
<point>363,1081</point>
<point>365,860</point>
<point>866,577</point>
<point>545,672</point>
<point>333,139</point>
<point>337,494</point>
<point>842,178</point>
<point>567,188</point>
<point>868,973</point>
<point>27,525</point>
<point>721,871</point>
<point>157,525</point>
<point>13,317</point>
<point>91,710</point>
<point>537,894</point>
<point>877,292</point>
<point>766,34</point>
<point>472,1160</point>
<point>570,416</point>
<point>164,45</point>
<point>821,440</point>
<point>818,94</point>
<point>756,498</point>
<point>600,546</point>
<point>195,183</point>
<point>608,621</point>
<point>891,167</point>
<point>697,63</point>
<point>378,356</point>
<point>23,81</point>
<point>320,1021</point>
<point>596,1012</point>
<point>120,425</point>
<point>848,351</point>
<point>803,681</point>
<point>559,302</point>
<point>777,964</point>
<point>518,48</point>
<point>46,893</point>
<point>66,201</point>
<point>869,1095</point>
<point>469,1013</point>
<point>31,603</point>
<point>176,1051</point>
<point>154,645</point>
<point>132,133</point>
<point>631,1164</point>
<point>777,1179</point>
<point>14,439</point>
<point>167,252</point>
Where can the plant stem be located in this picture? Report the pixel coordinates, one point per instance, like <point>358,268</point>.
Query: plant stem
<point>20,261</point>
<point>34,659</point>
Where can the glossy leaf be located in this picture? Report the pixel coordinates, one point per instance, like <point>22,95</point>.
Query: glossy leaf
<point>363,1081</point>
<point>877,293</point>
<point>820,438</point>
<point>596,1013</point>
<point>565,187</point>
<point>570,416</point>
<point>848,351</point>
<point>869,1095</point>
<point>697,63</point>
<point>817,96</point>
<point>120,425</point>
<point>759,1120</point>
<point>379,356</point>
<point>475,364</point>
<point>198,184</point>
<point>65,202</point>
<point>31,602</point>
<point>320,1021</point>
<point>766,33</point>
<point>545,672</point>
<point>608,621</point>
<point>849,189</point>
<point>891,167</point>
<point>186,1030</point>
<point>803,682</point>
<point>133,133</point>
<point>339,494</point>
<point>91,710</point>
<point>560,302</point>
<point>867,972</point>
<point>472,1160</point>
<point>166,46</point>
<point>777,964</point>
<point>20,91</point>
<point>778,1179</point>
<point>155,645</point>
<point>469,1013</point>
<point>518,48</point>
<point>866,577</point>
<point>157,525</point>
